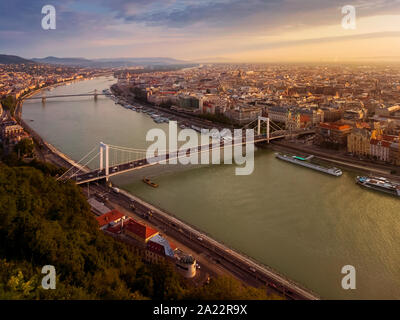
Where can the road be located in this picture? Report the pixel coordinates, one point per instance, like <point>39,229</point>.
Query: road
<point>242,267</point>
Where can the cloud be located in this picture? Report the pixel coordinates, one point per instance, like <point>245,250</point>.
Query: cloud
<point>147,26</point>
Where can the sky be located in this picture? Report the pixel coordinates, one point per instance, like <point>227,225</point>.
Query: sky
<point>203,30</point>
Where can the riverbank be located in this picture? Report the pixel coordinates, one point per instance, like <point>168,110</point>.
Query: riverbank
<point>343,161</point>
<point>46,151</point>
<point>183,118</point>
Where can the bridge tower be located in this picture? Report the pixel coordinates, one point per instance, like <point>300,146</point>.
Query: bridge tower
<point>264,119</point>
<point>104,148</point>
<point>43,97</point>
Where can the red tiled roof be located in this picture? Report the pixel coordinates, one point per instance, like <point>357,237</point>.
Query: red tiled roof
<point>389,137</point>
<point>114,229</point>
<point>139,229</point>
<point>108,217</point>
<point>385,144</point>
<point>334,126</point>
<point>304,118</point>
<point>156,247</point>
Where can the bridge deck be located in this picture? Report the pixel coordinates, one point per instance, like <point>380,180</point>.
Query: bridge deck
<point>68,95</point>
<point>143,163</point>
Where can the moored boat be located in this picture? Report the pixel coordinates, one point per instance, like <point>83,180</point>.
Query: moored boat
<point>150,183</point>
<point>379,184</point>
<point>305,163</point>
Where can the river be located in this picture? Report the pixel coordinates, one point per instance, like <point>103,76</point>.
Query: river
<point>302,223</point>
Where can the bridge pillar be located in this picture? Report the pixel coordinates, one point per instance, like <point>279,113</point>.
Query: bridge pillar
<point>259,126</point>
<point>95,94</point>
<point>101,157</point>
<point>104,147</point>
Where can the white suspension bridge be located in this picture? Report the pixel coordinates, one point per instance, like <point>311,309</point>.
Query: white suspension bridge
<point>114,160</point>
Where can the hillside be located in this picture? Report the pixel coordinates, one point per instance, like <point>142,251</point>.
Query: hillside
<point>65,61</point>
<point>46,222</point>
<point>10,59</point>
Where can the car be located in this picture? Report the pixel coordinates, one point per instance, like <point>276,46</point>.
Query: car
<point>200,238</point>
<point>197,266</point>
<point>252,269</point>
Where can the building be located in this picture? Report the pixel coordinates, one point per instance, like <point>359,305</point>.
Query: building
<point>110,219</point>
<point>380,150</point>
<point>278,113</point>
<point>355,114</point>
<point>98,207</point>
<point>11,133</point>
<point>394,153</point>
<point>185,264</point>
<point>332,114</point>
<point>148,243</point>
<point>190,102</point>
<point>208,107</point>
<point>244,115</point>
<point>388,111</point>
<point>332,134</point>
<point>138,231</point>
<point>358,142</point>
<point>283,114</point>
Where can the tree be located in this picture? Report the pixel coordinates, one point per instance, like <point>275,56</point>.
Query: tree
<point>9,103</point>
<point>24,147</point>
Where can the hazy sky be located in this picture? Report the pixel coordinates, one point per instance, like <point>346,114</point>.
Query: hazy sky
<point>236,30</point>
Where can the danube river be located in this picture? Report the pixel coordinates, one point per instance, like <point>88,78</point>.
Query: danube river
<point>302,223</point>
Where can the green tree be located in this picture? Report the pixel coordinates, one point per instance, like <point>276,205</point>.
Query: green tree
<point>24,147</point>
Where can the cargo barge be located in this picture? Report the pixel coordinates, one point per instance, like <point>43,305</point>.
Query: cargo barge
<point>305,163</point>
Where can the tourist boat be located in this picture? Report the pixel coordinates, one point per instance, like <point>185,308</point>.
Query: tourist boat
<point>150,183</point>
<point>305,163</point>
<point>379,184</point>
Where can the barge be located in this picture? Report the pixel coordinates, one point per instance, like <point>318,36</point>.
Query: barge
<point>305,163</point>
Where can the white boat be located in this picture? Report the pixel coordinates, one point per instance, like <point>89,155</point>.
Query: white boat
<point>304,162</point>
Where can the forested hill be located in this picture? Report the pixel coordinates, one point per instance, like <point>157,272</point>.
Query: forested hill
<point>9,59</point>
<point>44,222</point>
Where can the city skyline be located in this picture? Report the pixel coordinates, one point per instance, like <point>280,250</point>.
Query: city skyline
<point>205,31</point>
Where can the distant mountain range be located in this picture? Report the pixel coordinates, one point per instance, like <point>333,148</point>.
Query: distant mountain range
<point>97,63</point>
<point>9,59</point>
<point>111,62</point>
